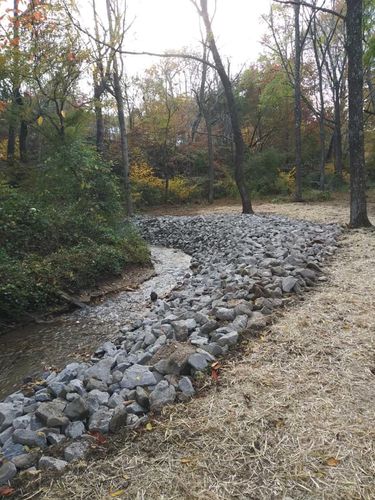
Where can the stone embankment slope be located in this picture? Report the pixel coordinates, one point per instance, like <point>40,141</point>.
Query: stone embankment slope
<point>275,426</point>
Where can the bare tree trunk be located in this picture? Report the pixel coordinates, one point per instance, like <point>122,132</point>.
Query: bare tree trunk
<point>117,90</point>
<point>358,204</point>
<point>297,102</point>
<point>239,154</point>
<point>338,158</point>
<point>98,118</point>
<point>211,166</point>
<point>11,145</point>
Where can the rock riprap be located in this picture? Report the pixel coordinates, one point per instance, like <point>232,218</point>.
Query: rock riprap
<point>242,269</point>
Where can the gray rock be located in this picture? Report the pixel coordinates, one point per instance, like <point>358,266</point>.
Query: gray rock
<point>77,386</point>
<point>77,409</point>
<point>230,339</point>
<point>186,387</point>
<point>51,414</point>
<point>162,395</point>
<point>75,430</point>
<point>224,314</point>
<point>142,397</point>
<point>53,438</point>
<point>101,370</point>
<point>7,472</point>
<point>57,388</point>
<point>5,435</point>
<point>11,449</point>
<point>119,419</point>
<point>115,400</point>
<point>93,384</point>
<point>137,375</point>
<point>100,420</point>
<point>209,327</point>
<point>8,412</point>
<point>198,362</point>
<point>25,461</point>
<point>22,422</point>
<point>30,438</point>
<point>51,463</point>
<point>288,283</point>
<point>76,450</point>
<point>68,373</point>
<point>257,322</point>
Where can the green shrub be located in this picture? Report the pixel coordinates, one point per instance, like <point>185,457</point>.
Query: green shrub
<point>65,234</point>
<point>262,173</point>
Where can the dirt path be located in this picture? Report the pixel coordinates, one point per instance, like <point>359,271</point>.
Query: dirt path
<point>293,415</point>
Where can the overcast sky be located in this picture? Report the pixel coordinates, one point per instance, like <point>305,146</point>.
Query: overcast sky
<point>160,25</point>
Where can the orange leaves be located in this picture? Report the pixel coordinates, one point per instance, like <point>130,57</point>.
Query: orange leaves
<point>332,462</point>
<point>215,371</point>
<point>99,438</point>
<point>3,106</point>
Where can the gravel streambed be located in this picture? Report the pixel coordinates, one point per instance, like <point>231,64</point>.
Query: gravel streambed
<point>242,268</point>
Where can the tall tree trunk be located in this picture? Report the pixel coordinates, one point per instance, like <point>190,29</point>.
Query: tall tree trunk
<point>99,120</point>
<point>121,119</point>
<point>11,144</point>
<point>297,102</point>
<point>239,153</point>
<point>210,151</point>
<point>358,205</point>
<point>338,158</point>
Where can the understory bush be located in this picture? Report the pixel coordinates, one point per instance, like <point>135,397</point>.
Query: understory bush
<point>64,234</point>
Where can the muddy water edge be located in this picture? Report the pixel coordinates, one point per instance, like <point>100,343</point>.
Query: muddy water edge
<point>29,350</point>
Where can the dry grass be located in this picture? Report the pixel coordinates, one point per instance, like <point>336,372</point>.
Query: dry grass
<point>292,418</point>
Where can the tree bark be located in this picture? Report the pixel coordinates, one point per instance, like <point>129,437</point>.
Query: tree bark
<point>239,153</point>
<point>297,102</point>
<point>98,118</point>
<point>338,159</point>
<point>358,204</point>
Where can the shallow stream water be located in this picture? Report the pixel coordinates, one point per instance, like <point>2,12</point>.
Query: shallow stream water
<point>30,349</point>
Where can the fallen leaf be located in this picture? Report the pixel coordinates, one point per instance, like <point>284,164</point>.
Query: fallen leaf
<point>149,426</point>
<point>332,462</point>
<point>185,460</point>
<point>6,491</point>
<point>100,439</point>
<point>117,493</point>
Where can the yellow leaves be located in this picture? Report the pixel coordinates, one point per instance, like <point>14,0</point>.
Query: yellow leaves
<point>149,426</point>
<point>40,120</point>
<point>117,493</point>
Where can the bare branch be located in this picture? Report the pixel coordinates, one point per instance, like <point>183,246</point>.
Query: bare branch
<point>311,6</point>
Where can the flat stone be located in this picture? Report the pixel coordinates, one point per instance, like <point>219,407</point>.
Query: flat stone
<point>172,359</point>
<point>7,472</point>
<point>137,375</point>
<point>54,438</point>
<point>51,463</point>
<point>11,449</point>
<point>25,461</point>
<point>30,438</point>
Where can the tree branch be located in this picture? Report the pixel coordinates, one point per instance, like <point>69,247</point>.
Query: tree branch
<point>311,6</point>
